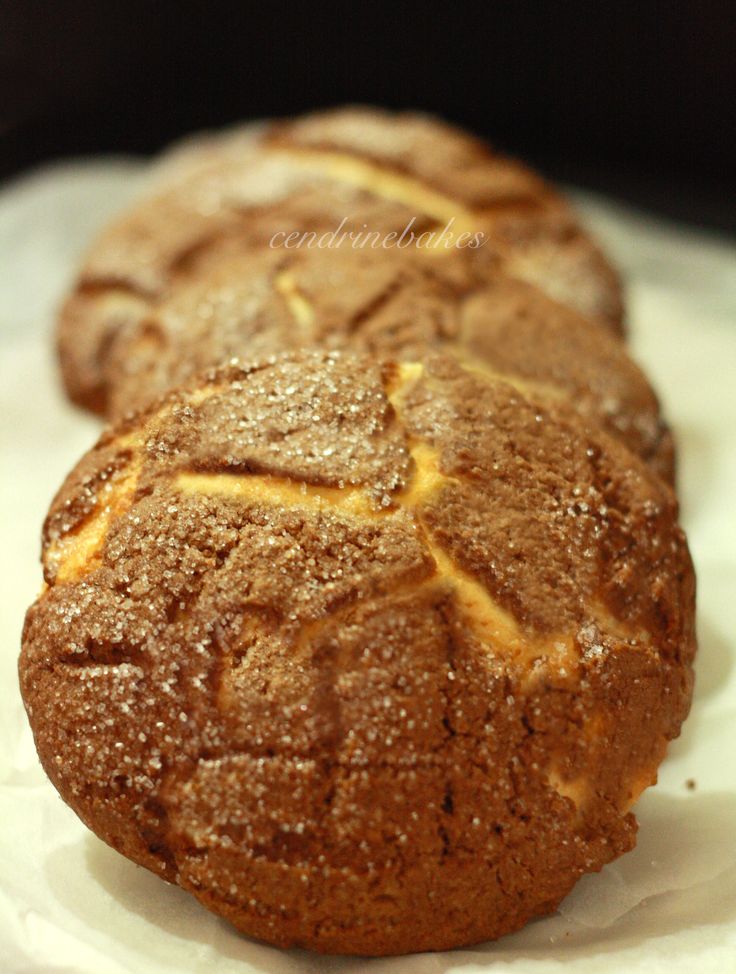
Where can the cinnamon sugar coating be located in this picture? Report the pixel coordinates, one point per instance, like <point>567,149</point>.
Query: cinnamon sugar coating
<point>368,168</point>
<point>369,658</point>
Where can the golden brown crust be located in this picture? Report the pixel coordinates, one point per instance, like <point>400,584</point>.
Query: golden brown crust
<point>247,303</point>
<point>369,658</point>
<point>309,174</point>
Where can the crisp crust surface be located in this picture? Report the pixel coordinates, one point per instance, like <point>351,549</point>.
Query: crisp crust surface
<point>369,658</point>
<point>248,303</point>
<point>374,168</point>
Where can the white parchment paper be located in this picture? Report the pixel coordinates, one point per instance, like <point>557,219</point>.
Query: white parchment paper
<point>70,904</point>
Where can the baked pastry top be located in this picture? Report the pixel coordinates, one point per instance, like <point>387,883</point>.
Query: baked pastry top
<point>368,657</point>
<point>248,303</point>
<point>362,170</point>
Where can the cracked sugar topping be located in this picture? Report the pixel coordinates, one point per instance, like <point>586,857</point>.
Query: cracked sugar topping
<point>314,175</point>
<point>250,303</point>
<point>436,640</point>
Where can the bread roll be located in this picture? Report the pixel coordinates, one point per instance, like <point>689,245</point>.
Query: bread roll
<point>368,658</point>
<point>360,170</point>
<point>253,303</point>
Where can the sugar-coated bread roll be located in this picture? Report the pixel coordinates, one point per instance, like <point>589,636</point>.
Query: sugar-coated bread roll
<point>357,170</point>
<point>249,303</point>
<point>369,658</point>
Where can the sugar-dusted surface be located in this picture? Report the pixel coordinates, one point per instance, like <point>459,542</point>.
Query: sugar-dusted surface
<point>248,302</point>
<point>69,901</point>
<point>345,170</point>
<point>327,642</point>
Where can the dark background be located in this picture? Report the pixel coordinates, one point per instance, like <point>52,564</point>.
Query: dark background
<point>635,99</point>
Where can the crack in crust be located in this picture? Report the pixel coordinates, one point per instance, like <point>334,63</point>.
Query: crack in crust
<point>78,552</point>
<point>300,308</point>
<point>378,180</point>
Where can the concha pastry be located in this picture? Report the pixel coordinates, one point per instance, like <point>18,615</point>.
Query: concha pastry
<point>369,658</point>
<point>248,303</point>
<point>360,170</point>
